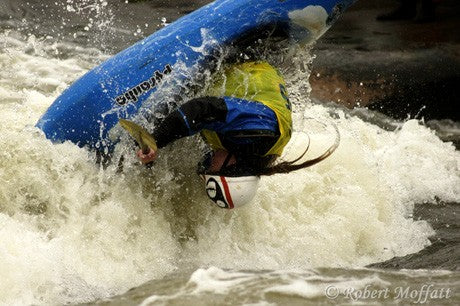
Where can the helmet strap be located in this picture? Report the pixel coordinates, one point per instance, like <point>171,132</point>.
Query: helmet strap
<point>226,161</point>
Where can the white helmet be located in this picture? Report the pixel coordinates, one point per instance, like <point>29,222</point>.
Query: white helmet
<point>231,192</point>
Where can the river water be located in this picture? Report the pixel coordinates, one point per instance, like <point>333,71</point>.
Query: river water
<point>72,231</point>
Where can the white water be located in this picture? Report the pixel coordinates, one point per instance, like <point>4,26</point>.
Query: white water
<point>71,231</point>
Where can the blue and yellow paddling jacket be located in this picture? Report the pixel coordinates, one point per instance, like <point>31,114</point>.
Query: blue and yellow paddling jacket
<point>256,99</point>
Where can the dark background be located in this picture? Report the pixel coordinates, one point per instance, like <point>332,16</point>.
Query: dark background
<point>402,68</point>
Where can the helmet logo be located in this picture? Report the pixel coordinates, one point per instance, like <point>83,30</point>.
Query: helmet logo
<point>211,188</point>
<point>215,193</point>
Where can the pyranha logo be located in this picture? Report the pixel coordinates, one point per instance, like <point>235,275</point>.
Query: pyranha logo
<point>132,94</point>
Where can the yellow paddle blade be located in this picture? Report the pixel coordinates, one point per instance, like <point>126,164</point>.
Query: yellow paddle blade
<point>141,135</point>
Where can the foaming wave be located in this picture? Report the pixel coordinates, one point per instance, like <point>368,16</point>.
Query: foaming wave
<point>208,286</point>
<point>352,209</point>
<point>71,231</point>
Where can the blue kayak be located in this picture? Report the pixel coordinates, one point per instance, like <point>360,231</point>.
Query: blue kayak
<point>117,88</point>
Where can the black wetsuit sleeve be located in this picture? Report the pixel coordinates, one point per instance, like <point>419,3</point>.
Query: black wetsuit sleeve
<point>189,119</point>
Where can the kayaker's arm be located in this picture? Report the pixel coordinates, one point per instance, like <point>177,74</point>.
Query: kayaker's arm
<point>190,119</point>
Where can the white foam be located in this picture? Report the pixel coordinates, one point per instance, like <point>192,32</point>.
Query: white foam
<point>299,288</point>
<point>217,281</point>
<point>350,210</point>
<point>78,233</point>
